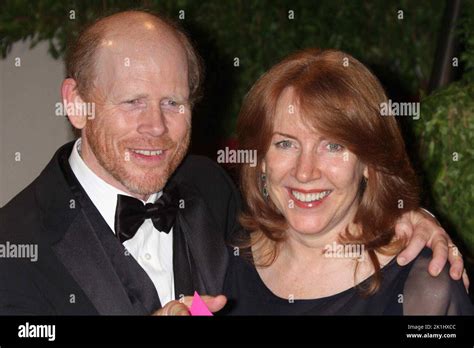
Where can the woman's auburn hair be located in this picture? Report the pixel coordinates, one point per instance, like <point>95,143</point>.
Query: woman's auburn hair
<point>341,99</point>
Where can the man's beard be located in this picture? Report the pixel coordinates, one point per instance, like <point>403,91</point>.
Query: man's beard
<point>143,181</point>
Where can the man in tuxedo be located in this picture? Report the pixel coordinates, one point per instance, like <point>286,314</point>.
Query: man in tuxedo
<point>123,221</point>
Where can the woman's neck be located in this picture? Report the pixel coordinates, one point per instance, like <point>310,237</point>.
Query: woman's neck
<point>302,261</point>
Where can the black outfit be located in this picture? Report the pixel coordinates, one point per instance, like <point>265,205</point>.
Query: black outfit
<point>83,269</point>
<point>404,290</point>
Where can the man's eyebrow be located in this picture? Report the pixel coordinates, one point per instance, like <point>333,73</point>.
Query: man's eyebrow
<point>136,96</point>
<point>178,98</point>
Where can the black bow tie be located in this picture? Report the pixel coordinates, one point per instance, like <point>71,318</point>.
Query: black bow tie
<point>131,213</point>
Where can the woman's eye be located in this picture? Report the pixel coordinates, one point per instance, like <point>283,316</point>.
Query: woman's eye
<point>284,144</point>
<point>332,147</point>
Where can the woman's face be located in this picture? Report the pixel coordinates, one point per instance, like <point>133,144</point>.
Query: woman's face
<point>312,180</point>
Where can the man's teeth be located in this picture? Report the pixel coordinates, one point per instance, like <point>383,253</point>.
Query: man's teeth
<point>310,197</point>
<point>148,152</point>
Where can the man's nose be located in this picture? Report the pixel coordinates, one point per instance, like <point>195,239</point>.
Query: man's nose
<point>152,122</point>
<point>307,167</point>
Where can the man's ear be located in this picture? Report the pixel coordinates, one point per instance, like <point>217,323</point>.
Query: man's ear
<point>73,103</point>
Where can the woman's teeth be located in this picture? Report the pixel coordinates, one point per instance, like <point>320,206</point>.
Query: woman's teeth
<point>310,197</point>
<point>148,152</point>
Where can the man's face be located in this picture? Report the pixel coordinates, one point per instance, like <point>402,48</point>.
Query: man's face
<point>142,128</point>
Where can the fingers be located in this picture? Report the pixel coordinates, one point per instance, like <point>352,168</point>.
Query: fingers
<point>456,261</point>
<point>181,307</point>
<point>465,280</point>
<point>177,308</point>
<point>419,240</point>
<point>173,308</point>
<point>403,228</point>
<point>214,303</point>
<point>187,300</point>
<point>439,244</point>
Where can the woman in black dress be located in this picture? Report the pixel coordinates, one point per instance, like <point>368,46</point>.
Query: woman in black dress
<point>332,178</point>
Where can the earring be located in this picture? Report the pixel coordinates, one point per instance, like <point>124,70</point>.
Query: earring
<point>364,182</point>
<point>263,178</point>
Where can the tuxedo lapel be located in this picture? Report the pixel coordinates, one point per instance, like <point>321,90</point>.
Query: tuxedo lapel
<point>208,255</point>
<point>184,270</point>
<point>133,281</point>
<point>112,280</point>
<point>81,253</point>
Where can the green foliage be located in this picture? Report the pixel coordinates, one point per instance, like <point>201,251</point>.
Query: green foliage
<point>446,130</point>
<point>467,37</point>
<point>258,32</point>
<point>446,133</point>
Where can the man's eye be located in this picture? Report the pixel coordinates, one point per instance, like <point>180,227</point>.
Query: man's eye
<point>133,101</point>
<point>332,147</point>
<point>170,103</point>
<point>284,144</point>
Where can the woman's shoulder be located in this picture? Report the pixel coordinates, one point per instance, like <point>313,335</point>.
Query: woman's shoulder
<point>427,295</point>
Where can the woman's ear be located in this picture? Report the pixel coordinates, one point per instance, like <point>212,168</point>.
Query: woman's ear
<point>366,173</point>
<point>73,103</point>
<point>263,166</point>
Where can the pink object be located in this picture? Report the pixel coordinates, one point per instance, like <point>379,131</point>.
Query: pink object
<point>198,306</point>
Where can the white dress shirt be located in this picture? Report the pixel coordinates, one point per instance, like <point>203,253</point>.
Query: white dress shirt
<point>152,249</point>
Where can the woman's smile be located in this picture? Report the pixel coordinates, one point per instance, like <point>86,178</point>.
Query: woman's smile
<point>307,199</point>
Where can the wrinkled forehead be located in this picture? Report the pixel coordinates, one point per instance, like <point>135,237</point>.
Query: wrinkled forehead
<point>142,53</point>
<point>147,50</point>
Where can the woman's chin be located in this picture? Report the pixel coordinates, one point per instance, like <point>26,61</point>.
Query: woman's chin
<point>307,228</point>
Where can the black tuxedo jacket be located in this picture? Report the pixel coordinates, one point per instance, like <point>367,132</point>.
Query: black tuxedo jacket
<point>82,268</point>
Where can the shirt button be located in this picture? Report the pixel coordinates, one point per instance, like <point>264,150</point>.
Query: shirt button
<point>147,256</point>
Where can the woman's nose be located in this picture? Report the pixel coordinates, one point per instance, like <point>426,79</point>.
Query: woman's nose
<point>307,167</point>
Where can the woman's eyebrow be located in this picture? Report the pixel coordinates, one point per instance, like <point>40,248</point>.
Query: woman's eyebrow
<point>318,137</point>
<point>285,135</point>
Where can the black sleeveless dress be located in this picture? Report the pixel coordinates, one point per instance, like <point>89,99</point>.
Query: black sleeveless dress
<point>404,290</point>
